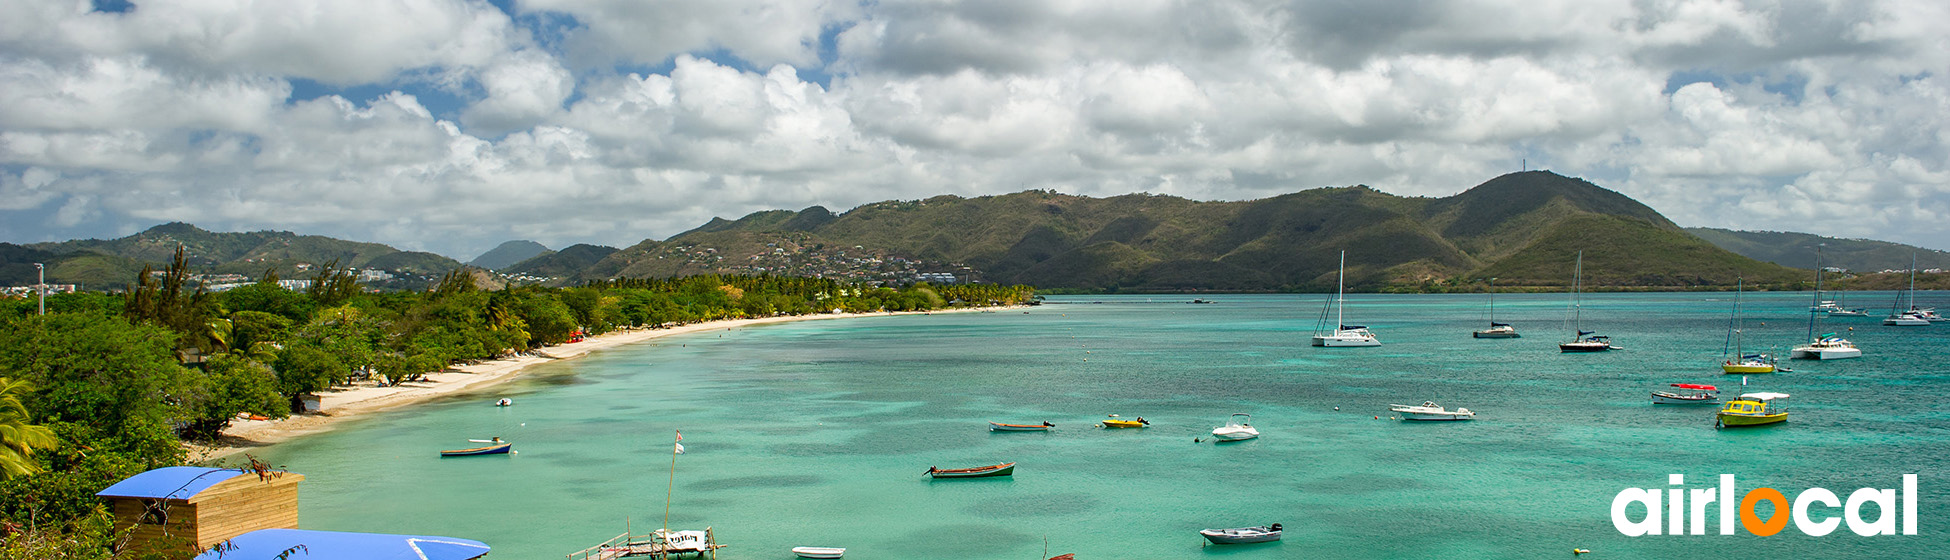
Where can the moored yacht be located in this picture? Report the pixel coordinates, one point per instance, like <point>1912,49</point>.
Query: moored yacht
<point>1343,333</point>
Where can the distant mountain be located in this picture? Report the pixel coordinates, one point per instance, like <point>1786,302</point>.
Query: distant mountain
<point>1798,250</point>
<point>507,254</point>
<point>114,263</point>
<point>568,262</point>
<point>1523,228</point>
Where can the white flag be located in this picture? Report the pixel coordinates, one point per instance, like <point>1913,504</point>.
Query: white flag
<point>680,448</point>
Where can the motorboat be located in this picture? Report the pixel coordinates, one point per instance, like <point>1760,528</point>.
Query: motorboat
<point>1927,313</point>
<point>818,552</point>
<point>500,448</point>
<point>1753,409</point>
<point>1237,428</point>
<point>1429,411</point>
<point>1001,427</point>
<point>1243,535</point>
<point>1496,330</point>
<point>504,402</point>
<point>1005,469</point>
<point>1115,422</point>
<point>1828,347</point>
<point>1343,334</point>
<point>1584,341</point>
<point>1687,393</point>
<point>1906,319</point>
<point>1857,312</point>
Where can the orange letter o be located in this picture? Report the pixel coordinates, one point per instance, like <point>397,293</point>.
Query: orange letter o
<point>1751,520</point>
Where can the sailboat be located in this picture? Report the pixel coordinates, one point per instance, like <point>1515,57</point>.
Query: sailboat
<point>1828,346</point>
<point>1496,330</point>
<point>1584,341</point>
<point>1343,333</point>
<point>663,542</point>
<point>1734,358</point>
<point>1911,317</point>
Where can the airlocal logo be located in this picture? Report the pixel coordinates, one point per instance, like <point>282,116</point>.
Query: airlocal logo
<point>1676,501</point>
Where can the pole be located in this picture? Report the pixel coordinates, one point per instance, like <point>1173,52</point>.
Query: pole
<point>41,288</point>
<point>1340,288</point>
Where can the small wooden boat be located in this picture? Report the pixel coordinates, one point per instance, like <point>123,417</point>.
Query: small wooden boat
<point>1115,422</point>
<point>496,449</point>
<point>818,552</point>
<point>1243,535</point>
<point>1001,427</point>
<point>1699,394</point>
<point>1005,469</point>
<point>1753,409</point>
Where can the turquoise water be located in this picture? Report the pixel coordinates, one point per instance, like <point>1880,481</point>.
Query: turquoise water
<point>817,433</point>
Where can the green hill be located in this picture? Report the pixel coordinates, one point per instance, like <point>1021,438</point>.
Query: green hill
<point>1798,250</point>
<point>1524,228</point>
<point>114,263</point>
<point>569,262</point>
<point>508,254</point>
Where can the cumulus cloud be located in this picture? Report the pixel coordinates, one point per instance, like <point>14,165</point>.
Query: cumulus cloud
<point>456,125</point>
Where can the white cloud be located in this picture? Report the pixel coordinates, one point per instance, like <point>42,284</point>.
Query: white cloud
<point>1823,117</point>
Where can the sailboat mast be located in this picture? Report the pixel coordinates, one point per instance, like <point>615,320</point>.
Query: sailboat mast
<point>1912,280</point>
<point>1492,302</point>
<point>1577,307</point>
<point>1812,308</point>
<point>1733,321</point>
<point>1340,298</point>
<point>672,489</point>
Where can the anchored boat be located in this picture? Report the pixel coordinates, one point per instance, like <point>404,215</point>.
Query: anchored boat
<point>1237,428</point>
<point>1754,409</point>
<point>1001,427</point>
<point>1429,411</point>
<point>498,448</point>
<point>1343,334</point>
<point>1115,422</point>
<point>1243,535</point>
<point>1584,341</point>
<point>1688,394</point>
<point>1005,469</point>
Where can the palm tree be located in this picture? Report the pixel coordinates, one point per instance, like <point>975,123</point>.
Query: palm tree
<point>18,439</point>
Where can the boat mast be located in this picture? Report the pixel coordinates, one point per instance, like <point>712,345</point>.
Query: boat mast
<point>673,480</point>
<point>1912,281</point>
<point>1577,309</point>
<point>1340,298</point>
<point>1733,323</point>
<point>1812,308</point>
<point>1492,302</point>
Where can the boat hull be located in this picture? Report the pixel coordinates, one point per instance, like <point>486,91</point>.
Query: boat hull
<point>1743,420</point>
<point>1496,334</point>
<point>1805,353</point>
<point>1234,434</point>
<point>1436,417</point>
<point>1345,341</point>
<point>1583,347</point>
<point>1906,321</point>
<point>999,427</point>
<point>489,450</point>
<point>1005,469</point>
<point>819,552</point>
<point>1747,368</point>
<point>1239,536</point>
<point>1662,397</point>
<point>1123,424</point>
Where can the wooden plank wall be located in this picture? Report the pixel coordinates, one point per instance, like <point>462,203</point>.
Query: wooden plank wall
<point>244,504</point>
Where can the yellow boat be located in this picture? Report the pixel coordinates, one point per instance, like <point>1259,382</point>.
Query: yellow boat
<point>1754,409</point>
<point>1115,422</point>
<point>1751,363</point>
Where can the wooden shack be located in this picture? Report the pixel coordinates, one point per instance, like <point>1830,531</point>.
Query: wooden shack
<point>203,506</point>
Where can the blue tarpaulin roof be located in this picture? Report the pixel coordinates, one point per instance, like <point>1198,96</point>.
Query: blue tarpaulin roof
<point>267,544</point>
<point>178,483</point>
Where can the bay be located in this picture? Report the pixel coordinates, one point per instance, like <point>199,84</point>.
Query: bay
<point>817,433</point>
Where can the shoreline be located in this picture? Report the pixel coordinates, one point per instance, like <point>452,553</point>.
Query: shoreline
<point>344,403</point>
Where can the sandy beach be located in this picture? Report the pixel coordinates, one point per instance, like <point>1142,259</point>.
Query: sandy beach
<point>346,402</point>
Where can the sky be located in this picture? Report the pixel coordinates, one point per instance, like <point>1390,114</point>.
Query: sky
<point>453,125</point>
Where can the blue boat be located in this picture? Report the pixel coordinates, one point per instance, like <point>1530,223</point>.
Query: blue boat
<point>496,449</point>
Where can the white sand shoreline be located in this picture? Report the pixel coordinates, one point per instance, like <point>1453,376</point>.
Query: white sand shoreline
<point>345,403</point>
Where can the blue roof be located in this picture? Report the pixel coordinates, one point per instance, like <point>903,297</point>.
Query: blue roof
<point>267,544</point>
<point>177,483</point>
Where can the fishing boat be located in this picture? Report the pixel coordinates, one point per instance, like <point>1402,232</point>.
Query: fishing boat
<point>1005,469</point>
<point>818,552</point>
<point>502,448</point>
<point>1237,428</point>
<point>1828,346</point>
<point>1911,317</point>
<point>1734,358</point>
<point>1115,422</point>
<point>1243,535</point>
<point>1001,427</point>
<point>1496,330</point>
<point>1429,411</point>
<point>1688,393</point>
<point>1343,334</point>
<point>1583,341</point>
<point>1753,409</point>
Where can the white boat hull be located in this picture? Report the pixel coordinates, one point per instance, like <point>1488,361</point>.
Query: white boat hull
<point>1235,433</point>
<point>1345,340</point>
<point>1906,321</point>
<point>1661,397</point>
<point>819,552</point>
<point>1437,416</point>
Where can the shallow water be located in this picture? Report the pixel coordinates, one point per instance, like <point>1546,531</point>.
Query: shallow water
<point>817,433</point>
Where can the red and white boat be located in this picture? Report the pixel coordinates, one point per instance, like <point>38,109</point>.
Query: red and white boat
<point>1687,393</point>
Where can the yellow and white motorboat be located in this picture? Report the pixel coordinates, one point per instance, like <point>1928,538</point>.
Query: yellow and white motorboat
<point>1753,409</point>
<point>1115,422</point>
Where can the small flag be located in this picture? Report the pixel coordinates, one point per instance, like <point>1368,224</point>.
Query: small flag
<point>680,446</point>
<point>679,450</point>
<point>680,435</point>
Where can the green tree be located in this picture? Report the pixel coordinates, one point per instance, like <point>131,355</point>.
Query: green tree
<point>18,438</point>
<point>103,372</point>
<point>234,384</point>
